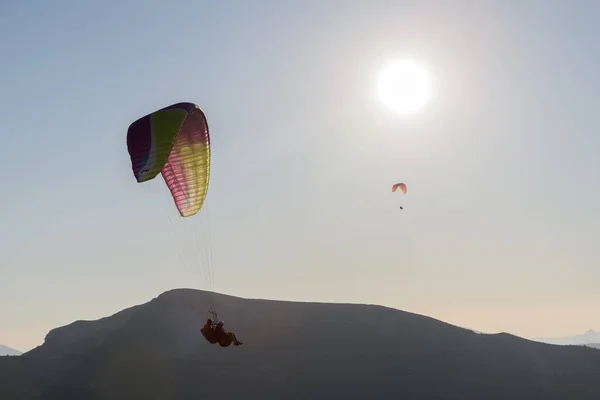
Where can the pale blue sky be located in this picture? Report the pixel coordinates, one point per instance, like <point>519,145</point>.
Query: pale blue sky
<point>500,225</point>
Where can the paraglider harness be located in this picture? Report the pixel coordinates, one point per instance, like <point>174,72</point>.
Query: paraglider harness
<point>212,314</point>
<point>209,332</point>
<point>218,334</point>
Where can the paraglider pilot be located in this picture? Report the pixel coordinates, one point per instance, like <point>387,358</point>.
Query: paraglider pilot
<point>215,333</point>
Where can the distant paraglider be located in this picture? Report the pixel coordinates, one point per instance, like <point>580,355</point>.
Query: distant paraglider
<point>400,186</point>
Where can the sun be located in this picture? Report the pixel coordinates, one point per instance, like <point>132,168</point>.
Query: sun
<point>404,86</point>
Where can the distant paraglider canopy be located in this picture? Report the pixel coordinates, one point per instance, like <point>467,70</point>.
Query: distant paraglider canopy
<point>402,187</point>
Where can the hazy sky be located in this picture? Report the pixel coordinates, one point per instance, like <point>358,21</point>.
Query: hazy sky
<point>500,226</point>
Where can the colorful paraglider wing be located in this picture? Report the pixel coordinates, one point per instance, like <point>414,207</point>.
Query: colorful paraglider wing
<point>402,187</point>
<point>187,170</point>
<point>150,140</point>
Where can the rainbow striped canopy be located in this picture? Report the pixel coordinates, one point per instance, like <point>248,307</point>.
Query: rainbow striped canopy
<point>175,142</point>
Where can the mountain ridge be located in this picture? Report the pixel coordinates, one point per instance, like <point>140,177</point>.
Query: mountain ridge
<point>9,351</point>
<point>292,350</point>
<point>590,336</point>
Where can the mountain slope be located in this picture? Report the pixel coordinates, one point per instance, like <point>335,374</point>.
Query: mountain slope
<point>292,351</point>
<point>7,351</point>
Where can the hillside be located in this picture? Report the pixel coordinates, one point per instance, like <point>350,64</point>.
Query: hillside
<point>291,351</point>
<point>7,351</point>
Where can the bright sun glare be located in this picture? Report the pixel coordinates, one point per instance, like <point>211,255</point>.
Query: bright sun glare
<point>404,86</point>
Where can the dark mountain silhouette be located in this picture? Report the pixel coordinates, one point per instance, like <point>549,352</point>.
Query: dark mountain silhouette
<point>291,351</point>
<point>7,351</point>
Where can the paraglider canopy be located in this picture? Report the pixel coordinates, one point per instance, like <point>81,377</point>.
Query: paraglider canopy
<point>400,186</point>
<point>174,142</point>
